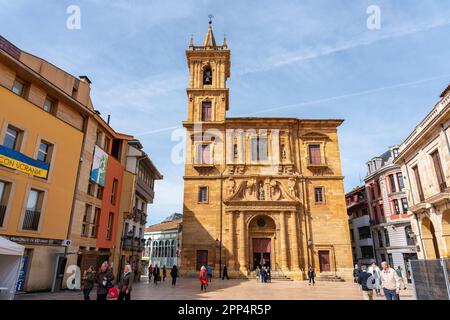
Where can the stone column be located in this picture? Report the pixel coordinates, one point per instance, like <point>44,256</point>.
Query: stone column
<point>283,244</point>
<point>232,241</point>
<point>295,265</point>
<point>242,248</point>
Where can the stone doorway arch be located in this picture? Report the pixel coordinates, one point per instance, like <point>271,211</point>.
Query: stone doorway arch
<point>262,230</point>
<point>429,239</point>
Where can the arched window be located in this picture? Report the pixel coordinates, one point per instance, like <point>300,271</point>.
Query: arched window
<point>167,249</point>
<point>155,249</point>
<point>172,249</point>
<point>207,75</point>
<point>161,248</point>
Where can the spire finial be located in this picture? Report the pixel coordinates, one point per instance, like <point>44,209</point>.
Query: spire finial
<point>210,16</point>
<point>191,42</point>
<point>224,41</point>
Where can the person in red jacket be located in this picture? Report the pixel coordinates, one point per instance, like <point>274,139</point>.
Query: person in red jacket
<point>203,278</point>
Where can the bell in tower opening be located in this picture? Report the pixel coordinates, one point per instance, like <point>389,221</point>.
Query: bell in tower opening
<point>207,75</point>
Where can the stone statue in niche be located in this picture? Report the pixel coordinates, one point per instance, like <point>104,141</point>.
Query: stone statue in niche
<point>231,186</point>
<point>292,187</point>
<point>261,193</point>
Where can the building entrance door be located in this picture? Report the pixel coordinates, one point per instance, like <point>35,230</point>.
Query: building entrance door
<point>202,258</point>
<point>261,252</point>
<point>324,261</point>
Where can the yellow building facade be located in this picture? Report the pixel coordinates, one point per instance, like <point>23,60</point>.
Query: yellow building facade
<point>35,204</point>
<point>258,191</point>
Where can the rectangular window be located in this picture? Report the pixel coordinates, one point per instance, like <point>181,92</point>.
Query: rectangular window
<point>19,87</point>
<point>438,170</point>
<point>405,205</point>
<point>367,252</point>
<point>386,236</point>
<point>5,187</point>
<point>392,183</point>
<point>206,111</point>
<point>203,194</point>
<point>364,233</point>
<point>418,183</point>
<point>318,195</point>
<point>33,210</point>
<point>98,138</point>
<point>259,147</point>
<point>314,154</point>
<point>380,239</point>
<point>91,188</point>
<point>397,206</point>
<point>401,183</point>
<point>372,190</point>
<point>95,223</point>
<point>44,152</point>
<point>86,221</point>
<point>114,191</point>
<point>99,192</point>
<point>110,226</point>
<point>203,154</point>
<point>49,105</point>
<point>13,138</point>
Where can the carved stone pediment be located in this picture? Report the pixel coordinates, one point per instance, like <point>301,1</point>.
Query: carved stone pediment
<point>262,190</point>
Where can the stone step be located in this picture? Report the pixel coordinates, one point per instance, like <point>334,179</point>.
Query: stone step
<point>329,278</point>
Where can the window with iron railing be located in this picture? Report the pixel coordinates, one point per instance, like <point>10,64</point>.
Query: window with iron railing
<point>33,210</point>
<point>438,170</point>
<point>418,183</point>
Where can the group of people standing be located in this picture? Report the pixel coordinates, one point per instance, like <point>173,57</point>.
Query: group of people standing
<point>155,273</point>
<point>263,274</point>
<point>375,279</point>
<point>104,279</point>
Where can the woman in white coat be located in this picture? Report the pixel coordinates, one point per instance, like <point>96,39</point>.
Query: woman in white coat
<point>376,274</point>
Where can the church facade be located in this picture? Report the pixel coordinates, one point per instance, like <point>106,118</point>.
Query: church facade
<point>258,191</point>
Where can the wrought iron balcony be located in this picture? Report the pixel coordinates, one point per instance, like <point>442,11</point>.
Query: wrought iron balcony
<point>31,220</point>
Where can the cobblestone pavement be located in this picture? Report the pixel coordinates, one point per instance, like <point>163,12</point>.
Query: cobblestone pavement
<point>189,289</point>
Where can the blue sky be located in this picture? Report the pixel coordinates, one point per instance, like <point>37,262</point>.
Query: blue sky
<point>305,59</point>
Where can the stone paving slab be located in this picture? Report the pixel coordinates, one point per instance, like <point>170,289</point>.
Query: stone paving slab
<point>233,289</point>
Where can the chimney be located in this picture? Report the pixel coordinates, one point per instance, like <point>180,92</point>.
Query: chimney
<point>85,79</point>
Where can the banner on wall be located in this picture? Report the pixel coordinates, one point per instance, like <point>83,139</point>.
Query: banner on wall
<point>99,164</point>
<point>18,161</point>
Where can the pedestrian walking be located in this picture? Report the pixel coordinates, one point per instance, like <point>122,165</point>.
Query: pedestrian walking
<point>164,272</point>
<point>269,274</point>
<point>258,274</point>
<point>88,282</point>
<point>356,272</point>
<point>150,273</point>
<point>104,281</point>
<point>126,284</point>
<point>365,280</point>
<point>400,274</point>
<point>174,275</point>
<point>225,273</point>
<point>264,274</point>
<point>390,282</point>
<point>156,274</point>
<point>210,272</point>
<point>311,276</point>
<point>376,273</point>
<point>203,278</point>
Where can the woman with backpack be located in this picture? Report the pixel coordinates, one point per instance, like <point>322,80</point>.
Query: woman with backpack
<point>174,275</point>
<point>104,281</point>
<point>203,278</point>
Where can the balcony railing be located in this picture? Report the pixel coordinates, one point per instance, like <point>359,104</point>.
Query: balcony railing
<point>133,244</point>
<point>139,216</point>
<point>31,221</point>
<point>2,214</point>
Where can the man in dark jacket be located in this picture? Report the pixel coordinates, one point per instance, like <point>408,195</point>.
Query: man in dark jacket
<point>104,281</point>
<point>174,275</point>
<point>366,280</point>
<point>156,274</point>
<point>126,284</point>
